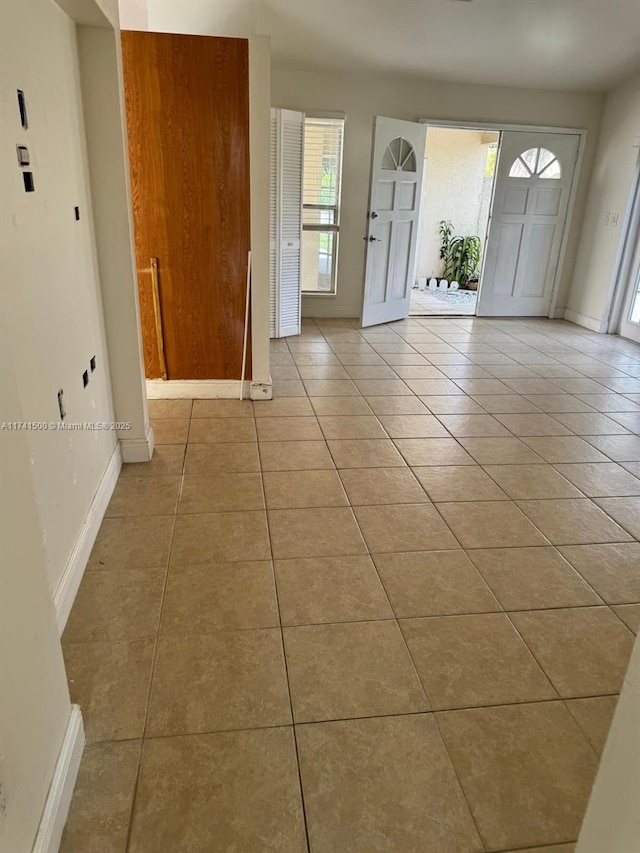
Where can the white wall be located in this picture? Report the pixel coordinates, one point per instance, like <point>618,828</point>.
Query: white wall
<point>591,289</point>
<point>134,15</point>
<point>363,96</point>
<point>50,326</point>
<point>612,821</point>
<point>453,189</point>
<point>100,56</point>
<point>34,700</point>
<point>52,292</point>
<point>259,133</point>
<point>232,18</point>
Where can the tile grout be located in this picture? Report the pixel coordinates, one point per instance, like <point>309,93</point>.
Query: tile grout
<point>482,341</point>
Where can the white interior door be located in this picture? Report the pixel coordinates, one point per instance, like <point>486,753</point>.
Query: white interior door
<point>531,194</point>
<point>397,166</point>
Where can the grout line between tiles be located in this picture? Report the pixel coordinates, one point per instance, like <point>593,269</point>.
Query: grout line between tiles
<point>150,688</point>
<point>479,350</point>
<point>286,666</point>
<point>323,721</point>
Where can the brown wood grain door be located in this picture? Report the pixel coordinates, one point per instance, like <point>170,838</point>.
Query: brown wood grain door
<point>187,106</point>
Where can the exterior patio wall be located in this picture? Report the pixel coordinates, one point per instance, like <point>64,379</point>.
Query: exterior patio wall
<point>455,188</point>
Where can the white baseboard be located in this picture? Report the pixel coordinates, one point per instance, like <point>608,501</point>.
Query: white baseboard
<point>67,588</point>
<point>330,312</point>
<point>138,449</point>
<point>206,389</point>
<point>56,807</point>
<point>586,321</point>
<point>195,389</point>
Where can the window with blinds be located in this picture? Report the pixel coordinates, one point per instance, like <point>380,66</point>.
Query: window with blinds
<point>322,177</point>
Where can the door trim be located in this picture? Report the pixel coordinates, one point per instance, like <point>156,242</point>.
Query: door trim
<point>626,250</point>
<point>259,141</point>
<point>581,132</point>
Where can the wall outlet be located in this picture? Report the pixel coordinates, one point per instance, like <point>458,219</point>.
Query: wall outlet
<point>607,217</point>
<point>614,220</point>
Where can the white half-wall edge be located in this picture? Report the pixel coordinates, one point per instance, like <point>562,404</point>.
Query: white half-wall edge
<point>138,449</point>
<point>329,312</point>
<point>206,389</point>
<point>586,321</point>
<point>56,807</point>
<point>67,588</point>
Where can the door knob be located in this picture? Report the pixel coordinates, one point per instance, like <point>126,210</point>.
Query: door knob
<point>374,215</point>
<point>373,239</point>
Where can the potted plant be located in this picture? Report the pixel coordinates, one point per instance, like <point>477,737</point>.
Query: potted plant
<point>461,256</point>
<point>446,231</point>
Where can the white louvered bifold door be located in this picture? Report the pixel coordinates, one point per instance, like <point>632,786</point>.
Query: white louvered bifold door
<point>273,225</point>
<point>287,142</point>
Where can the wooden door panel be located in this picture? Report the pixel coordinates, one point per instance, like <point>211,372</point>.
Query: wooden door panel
<point>187,103</point>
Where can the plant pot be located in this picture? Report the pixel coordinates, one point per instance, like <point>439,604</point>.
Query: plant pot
<point>472,285</point>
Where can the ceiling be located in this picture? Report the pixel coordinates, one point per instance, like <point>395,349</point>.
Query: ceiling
<point>548,44</point>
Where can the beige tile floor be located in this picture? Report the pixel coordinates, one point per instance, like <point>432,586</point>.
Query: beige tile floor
<point>390,610</point>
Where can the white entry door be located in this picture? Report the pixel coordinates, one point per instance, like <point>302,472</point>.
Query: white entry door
<point>629,315</point>
<point>531,194</point>
<point>397,167</point>
<point>630,320</point>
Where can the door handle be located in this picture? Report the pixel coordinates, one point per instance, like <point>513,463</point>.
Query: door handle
<point>373,239</point>
<point>374,215</point>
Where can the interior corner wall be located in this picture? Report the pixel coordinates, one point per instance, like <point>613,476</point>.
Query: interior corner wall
<point>103,101</point>
<point>362,96</point>
<point>617,153</point>
<point>52,299</point>
<point>34,700</point>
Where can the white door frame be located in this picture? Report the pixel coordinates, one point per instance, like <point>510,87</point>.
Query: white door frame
<point>622,267</point>
<point>533,128</point>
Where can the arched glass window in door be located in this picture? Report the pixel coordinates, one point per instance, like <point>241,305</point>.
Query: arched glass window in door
<point>399,155</point>
<point>536,162</point>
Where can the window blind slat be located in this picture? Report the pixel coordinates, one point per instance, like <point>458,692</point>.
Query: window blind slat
<point>322,160</point>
